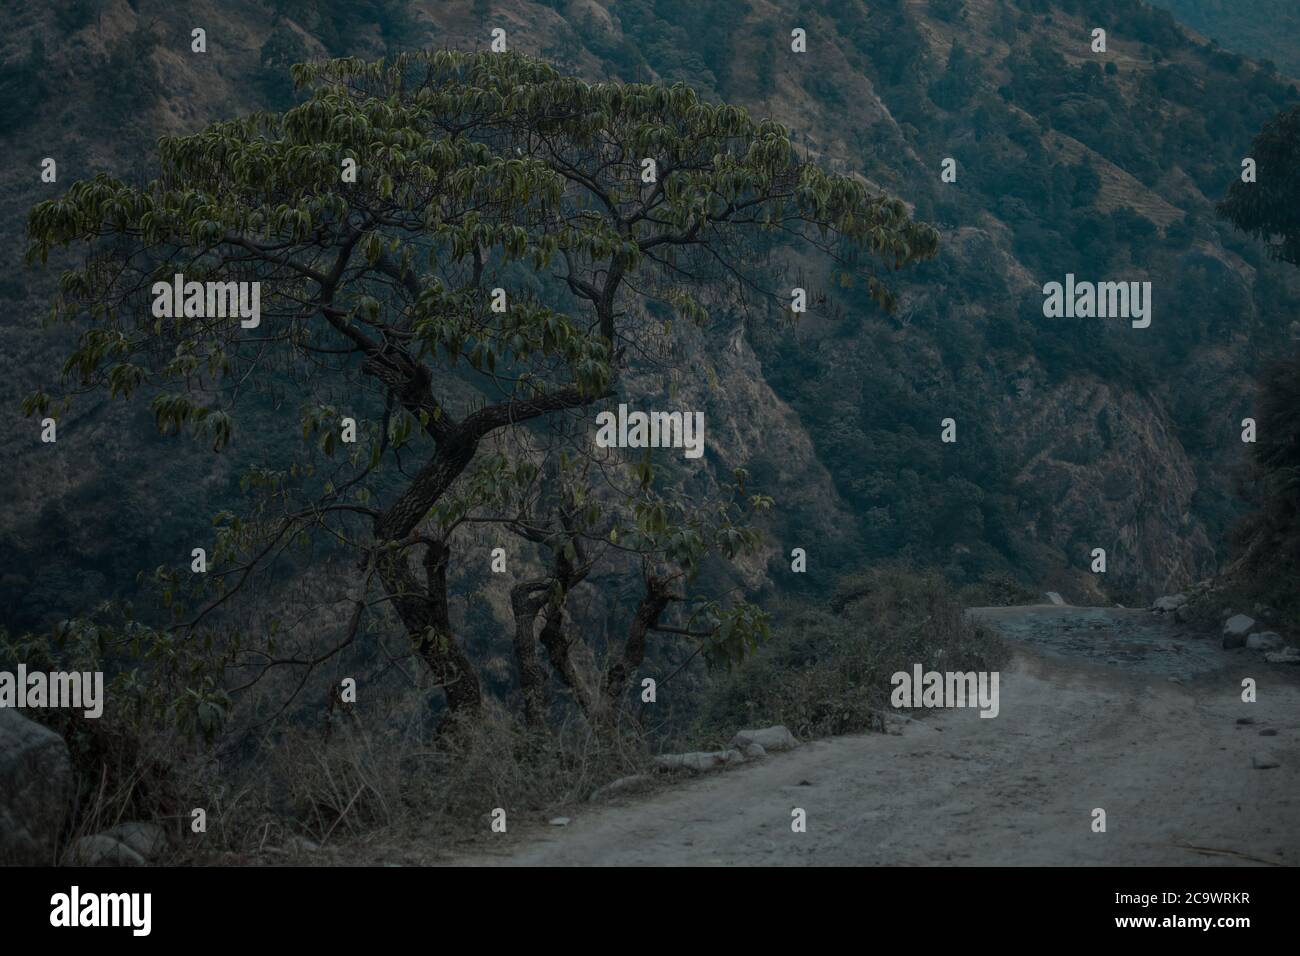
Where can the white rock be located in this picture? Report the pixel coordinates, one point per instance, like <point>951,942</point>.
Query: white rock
<point>1055,599</point>
<point>699,761</point>
<point>559,821</point>
<point>147,839</point>
<point>101,850</point>
<point>1171,602</point>
<point>1265,641</point>
<point>754,751</point>
<point>1235,630</point>
<point>771,739</point>
<point>1288,655</point>
<point>1264,761</point>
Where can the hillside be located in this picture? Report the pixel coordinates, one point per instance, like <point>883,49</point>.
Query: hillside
<point>1071,434</point>
<point>1264,29</point>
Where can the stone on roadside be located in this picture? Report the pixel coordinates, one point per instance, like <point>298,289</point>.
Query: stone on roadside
<point>699,761</point>
<point>1235,630</point>
<point>771,739</point>
<point>1264,761</point>
<point>1265,641</point>
<point>101,850</point>
<point>1170,602</point>
<point>147,839</point>
<point>1288,655</point>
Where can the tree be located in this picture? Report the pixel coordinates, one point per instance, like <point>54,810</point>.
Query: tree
<point>480,288</point>
<point>1270,537</point>
<point>1269,208</point>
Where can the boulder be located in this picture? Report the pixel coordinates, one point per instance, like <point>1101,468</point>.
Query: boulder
<point>771,739</point>
<point>1235,630</point>
<point>699,761</point>
<point>35,790</point>
<point>1288,655</point>
<point>1171,602</point>
<point>147,839</point>
<point>1265,641</point>
<point>101,850</point>
<point>754,751</point>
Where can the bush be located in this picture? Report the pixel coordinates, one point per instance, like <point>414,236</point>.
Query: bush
<point>827,671</point>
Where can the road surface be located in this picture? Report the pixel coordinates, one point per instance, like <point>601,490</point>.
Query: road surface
<point>1100,708</point>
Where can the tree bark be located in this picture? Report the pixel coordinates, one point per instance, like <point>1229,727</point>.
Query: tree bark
<point>526,601</point>
<point>425,613</point>
<point>652,605</point>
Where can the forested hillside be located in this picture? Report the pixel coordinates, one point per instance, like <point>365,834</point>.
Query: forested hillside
<point>1072,434</point>
<point>1264,29</point>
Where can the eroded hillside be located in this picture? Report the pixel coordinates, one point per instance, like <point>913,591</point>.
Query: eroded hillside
<point>1072,434</point>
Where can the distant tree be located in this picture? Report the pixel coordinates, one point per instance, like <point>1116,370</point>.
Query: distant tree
<point>474,172</point>
<point>1268,208</point>
<point>952,11</point>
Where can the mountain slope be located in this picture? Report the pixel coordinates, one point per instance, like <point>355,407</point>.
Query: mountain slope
<point>1072,435</point>
<point>1264,29</point>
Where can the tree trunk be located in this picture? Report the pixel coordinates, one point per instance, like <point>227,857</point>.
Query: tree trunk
<point>423,611</point>
<point>526,601</point>
<point>557,645</point>
<point>653,603</point>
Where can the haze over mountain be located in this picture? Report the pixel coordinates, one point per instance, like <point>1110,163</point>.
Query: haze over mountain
<point>1072,433</point>
<point>1264,29</point>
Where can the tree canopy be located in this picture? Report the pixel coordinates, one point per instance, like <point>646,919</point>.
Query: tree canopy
<point>464,253</point>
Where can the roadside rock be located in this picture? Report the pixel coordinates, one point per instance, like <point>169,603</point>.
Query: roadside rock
<point>1235,630</point>
<point>147,839</point>
<point>35,788</point>
<point>754,751</point>
<point>1265,641</point>
<point>771,739</point>
<point>1169,603</point>
<point>1288,655</point>
<point>101,850</point>
<point>699,761</point>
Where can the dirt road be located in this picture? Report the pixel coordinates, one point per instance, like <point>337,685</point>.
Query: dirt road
<point>1106,708</point>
